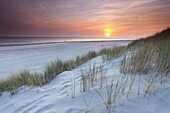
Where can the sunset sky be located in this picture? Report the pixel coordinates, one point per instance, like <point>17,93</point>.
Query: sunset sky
<point>123,19</point>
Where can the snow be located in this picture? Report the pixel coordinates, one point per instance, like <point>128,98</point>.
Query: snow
<point>36,57</point>
<point>56,97</point>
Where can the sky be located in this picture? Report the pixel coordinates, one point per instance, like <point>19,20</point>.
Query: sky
<point>122,19</point>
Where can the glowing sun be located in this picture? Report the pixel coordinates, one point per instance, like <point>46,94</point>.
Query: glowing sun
<point>108,32</point>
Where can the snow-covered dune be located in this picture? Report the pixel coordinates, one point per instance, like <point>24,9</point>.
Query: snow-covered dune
<point>58,96</point>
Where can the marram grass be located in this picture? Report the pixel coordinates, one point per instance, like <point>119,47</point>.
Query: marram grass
<point>53,69</point>
<point>145,54</point>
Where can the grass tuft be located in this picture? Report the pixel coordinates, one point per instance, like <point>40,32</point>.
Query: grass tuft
<point>145,54</point>
<point>56,67</point>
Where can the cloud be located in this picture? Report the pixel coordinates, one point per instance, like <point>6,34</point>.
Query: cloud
<point>136,3</point>
<point>71,17</point>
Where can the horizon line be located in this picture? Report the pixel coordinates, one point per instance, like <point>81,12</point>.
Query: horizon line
<point>55,42</point>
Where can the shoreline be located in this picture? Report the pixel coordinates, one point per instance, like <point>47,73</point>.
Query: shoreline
<point>44,43</point>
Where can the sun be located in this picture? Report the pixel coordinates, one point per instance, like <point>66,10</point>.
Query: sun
<point>108,32</point>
